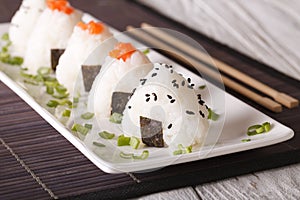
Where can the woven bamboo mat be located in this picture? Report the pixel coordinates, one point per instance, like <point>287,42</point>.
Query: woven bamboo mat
<point>36,162</point>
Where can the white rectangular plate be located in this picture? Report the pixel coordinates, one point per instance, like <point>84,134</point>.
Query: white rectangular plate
<point>237,117</point>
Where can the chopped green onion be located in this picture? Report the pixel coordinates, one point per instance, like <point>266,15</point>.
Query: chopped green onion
<point>202,87</point>
<point>146,51</point>
<point>116,118</point>
<point>52,104</point>
<point>79,128</point>
<point>123,140</point>
<point>246,140</point>
<point>87,115</point>
<point>98,144</point>
<point>4,49</point>
<point>49,90</point>
<point>134,142</point>
<point>5,37</point>
<point>106,135</point>
<point>6,58</point>
<point>38,78</point>
<point>60,96</point>
<point>212,115</point>
<point>143,156</point>
<point>89,126</point>
<point>60,89</point>
<point>258,129</point>
<point>31,82</point>
<point>44,71</point>
<point>177,152</point>
<point>267,126</point>
<point>50,79</point>
<point>75,99</point>
<point>65,102</point>
<point>66,113</point>
<point>183,150</point>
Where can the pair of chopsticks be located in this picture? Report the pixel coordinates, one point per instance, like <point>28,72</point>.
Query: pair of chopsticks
<point>149,34</point>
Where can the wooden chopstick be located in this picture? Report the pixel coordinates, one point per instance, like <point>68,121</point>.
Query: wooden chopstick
<point>264,101</point>
<point>280,97</point>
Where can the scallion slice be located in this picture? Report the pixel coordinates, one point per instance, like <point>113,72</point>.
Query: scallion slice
<point>66,113</point>
<point>143,156</point>
<point>106,135</point>
<point>246,140</point>
<point>116,118</point>
<point>80,129</point>
<point>98,144</point>
<point>5,37</point>
<point>87,115</point>
<point>134,142</point>
<point>89,126</point>
<point>52,103</point>
<point>183,150</point>
<point>202,87</point>
<point>123,140</point>
<point>212,115</point>
<point>44,71</point>
<point>146,51</point>
<point>60,96</point>
<point>259,129</point>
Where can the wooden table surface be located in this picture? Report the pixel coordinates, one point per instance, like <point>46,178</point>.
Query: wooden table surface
<point>280,183</point>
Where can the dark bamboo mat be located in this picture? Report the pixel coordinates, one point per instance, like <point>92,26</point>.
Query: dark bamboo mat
<point>36,162</point>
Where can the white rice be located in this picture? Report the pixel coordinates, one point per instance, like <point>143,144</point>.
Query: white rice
<point>52,31</point>
<point>22,24</point>
<point>176,107</point>
<point>80,46</point>
<point>116,75</point>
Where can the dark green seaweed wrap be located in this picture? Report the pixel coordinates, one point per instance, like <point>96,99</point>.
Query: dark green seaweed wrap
<point>89,73</point>
<point>152,132</point>
<point>55,55</point>
<point>119,101</point>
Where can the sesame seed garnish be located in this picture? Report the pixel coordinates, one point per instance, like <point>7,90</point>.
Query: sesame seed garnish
<point>174,81</point>
<point>147,95</point>
<point>155,96</point>
<point>154,74</point>
<point>172,101</point>
<point>169,96</point>
<point>170,126</point>
<point>189,80</point>
<point>129,107</point>
<point>202,114</point>
<point>148,99</point>
<point>189,112</point>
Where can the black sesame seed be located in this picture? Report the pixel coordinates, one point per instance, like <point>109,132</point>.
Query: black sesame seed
<point>201,102</point>
<point>183,83</point>
<point>170,126</point>
<point>192,84</point>
<point>156,68</point>
<point>147,95</point>
<point>172,101</point>
<point>169,96</point>
<point>148,99</point>
<point>189,112</point>
<point>154,74</point>
<point>129,107</point>
<point>206,107</point>
<point>174,81</point>
<point>171,71</point>
<point>202,114</point>
<point>155,96</point>
<point>189,80</point>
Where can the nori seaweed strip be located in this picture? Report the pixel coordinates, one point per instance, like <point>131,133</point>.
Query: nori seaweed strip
<point>55,55</point>
<point>119,101</point>
<point>152,132</point>
<point>89,73</point>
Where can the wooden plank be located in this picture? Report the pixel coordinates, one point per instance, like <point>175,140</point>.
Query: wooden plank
<point>187,193</point>
<point>281,183</point>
